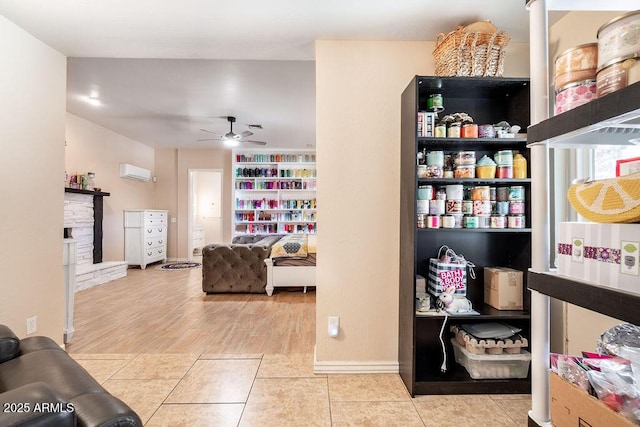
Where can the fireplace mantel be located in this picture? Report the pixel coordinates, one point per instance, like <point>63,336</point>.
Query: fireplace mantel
<point>87,192</point>
<point>98,211</point>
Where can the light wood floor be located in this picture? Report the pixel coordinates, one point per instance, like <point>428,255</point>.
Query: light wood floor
<point>158,311</point>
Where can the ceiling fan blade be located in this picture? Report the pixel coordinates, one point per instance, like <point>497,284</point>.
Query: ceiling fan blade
<point>244,134</point>
<point>254,142</point>
<point>208,131</point>
<point>208,139</point>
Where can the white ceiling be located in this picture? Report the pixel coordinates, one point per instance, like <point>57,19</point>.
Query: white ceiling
<point>164,69</point>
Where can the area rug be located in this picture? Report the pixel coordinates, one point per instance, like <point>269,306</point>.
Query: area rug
<point>180,265</point>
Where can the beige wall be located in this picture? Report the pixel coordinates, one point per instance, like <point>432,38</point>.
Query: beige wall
<point>167,194</point>
<point>358,88</point>
<point>568,333</point>
<point>94,148</point>
<point>172,190</point>
<point>32,107</point>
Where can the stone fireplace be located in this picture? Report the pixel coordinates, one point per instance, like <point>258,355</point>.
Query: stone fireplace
<point>83,211</point>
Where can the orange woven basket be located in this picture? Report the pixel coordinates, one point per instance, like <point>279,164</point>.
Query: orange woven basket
<point>470,52</point>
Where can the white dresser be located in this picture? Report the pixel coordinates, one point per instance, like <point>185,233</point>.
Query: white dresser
<point>145,236</point>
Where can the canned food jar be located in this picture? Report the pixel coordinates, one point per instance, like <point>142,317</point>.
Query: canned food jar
<point>448,221</point>
<point>519,166</point>
<point>436,207</point>
<point>435,102</point>
<point>469,130</point>
<point>433,221</point>
<point>498,221</point>
<point>467,206</point>
<point>502,194</point>
<point>484,221</point>
<point>502,208</point>
<point>481,192</point>
<point>435,158</point>
<point>504,172</point>
<point>453,207</point>
<point>470,221</point>
<point>453,131</point>
<point>425,192</point>
<point>466,171</point>
<point>454,192</point>
<point>516,193</point>
<point>515,221</point>
<point>574,95</point>
<point>465,158</point>
<point>422,206</point>
<point>440,131</point>
<point>481,207</point>
<point>574,62</point>
<point>504,158</point>
<point>516,207</point>
<point>618,38</point>
<point>617,75</point>
<point>435,171</point>
<point>486,131</point>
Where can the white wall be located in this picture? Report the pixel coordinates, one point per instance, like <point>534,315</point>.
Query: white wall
<point>358,89</point>
<point>93,148</point>
<point>32,110</point>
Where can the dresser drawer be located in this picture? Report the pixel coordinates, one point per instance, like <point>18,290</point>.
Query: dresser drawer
<point>155,231</point>
<point>154,254</point>
<point>152,242</point>
<point>155,222</point>
<point>148,215</point>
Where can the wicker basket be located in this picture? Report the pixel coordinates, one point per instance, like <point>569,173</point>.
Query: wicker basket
<point>466,52</point>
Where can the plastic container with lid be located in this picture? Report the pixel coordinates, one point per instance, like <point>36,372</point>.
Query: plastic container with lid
<point>485,366</point>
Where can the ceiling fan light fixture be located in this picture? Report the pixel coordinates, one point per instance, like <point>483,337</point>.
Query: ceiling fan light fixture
<point>230,142</point>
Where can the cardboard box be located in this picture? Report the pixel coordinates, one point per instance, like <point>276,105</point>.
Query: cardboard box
<point>603,254</point>
<point>503,288</point>
<point>573,407</point>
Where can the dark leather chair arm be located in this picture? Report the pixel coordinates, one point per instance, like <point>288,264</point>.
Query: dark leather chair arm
<point>35,405</point>
<point>9,344</point>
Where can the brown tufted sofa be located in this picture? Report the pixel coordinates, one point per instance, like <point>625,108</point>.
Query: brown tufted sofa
<point>237,267</point>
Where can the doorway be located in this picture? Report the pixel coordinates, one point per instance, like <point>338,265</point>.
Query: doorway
<point>205,210</point>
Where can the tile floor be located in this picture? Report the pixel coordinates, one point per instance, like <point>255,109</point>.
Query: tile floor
<point>282,390</point>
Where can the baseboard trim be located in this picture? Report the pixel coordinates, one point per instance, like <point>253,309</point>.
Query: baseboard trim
<point>354,367</point>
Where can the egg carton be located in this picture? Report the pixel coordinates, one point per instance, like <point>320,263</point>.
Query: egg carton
<point>511,345</point>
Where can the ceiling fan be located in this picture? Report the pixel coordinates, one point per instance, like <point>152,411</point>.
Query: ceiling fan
<point>231,139</point>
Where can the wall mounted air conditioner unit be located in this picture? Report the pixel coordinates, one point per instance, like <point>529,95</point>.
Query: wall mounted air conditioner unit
<point>134,172</point>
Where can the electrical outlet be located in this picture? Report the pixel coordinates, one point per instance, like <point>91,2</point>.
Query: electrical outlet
<point>334,326</point>
<point>32,324</point>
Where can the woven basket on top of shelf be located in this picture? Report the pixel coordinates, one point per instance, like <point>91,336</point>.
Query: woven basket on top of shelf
<point>474,50</point>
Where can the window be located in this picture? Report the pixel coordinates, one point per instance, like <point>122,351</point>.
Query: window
<point>604,159</point>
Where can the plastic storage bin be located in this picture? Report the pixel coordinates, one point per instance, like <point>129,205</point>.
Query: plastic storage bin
<point>485,366</point>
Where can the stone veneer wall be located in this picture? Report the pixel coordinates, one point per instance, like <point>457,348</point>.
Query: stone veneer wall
<point>78,215</point>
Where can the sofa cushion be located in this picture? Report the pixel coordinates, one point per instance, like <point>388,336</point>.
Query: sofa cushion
<point>9,344</point>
